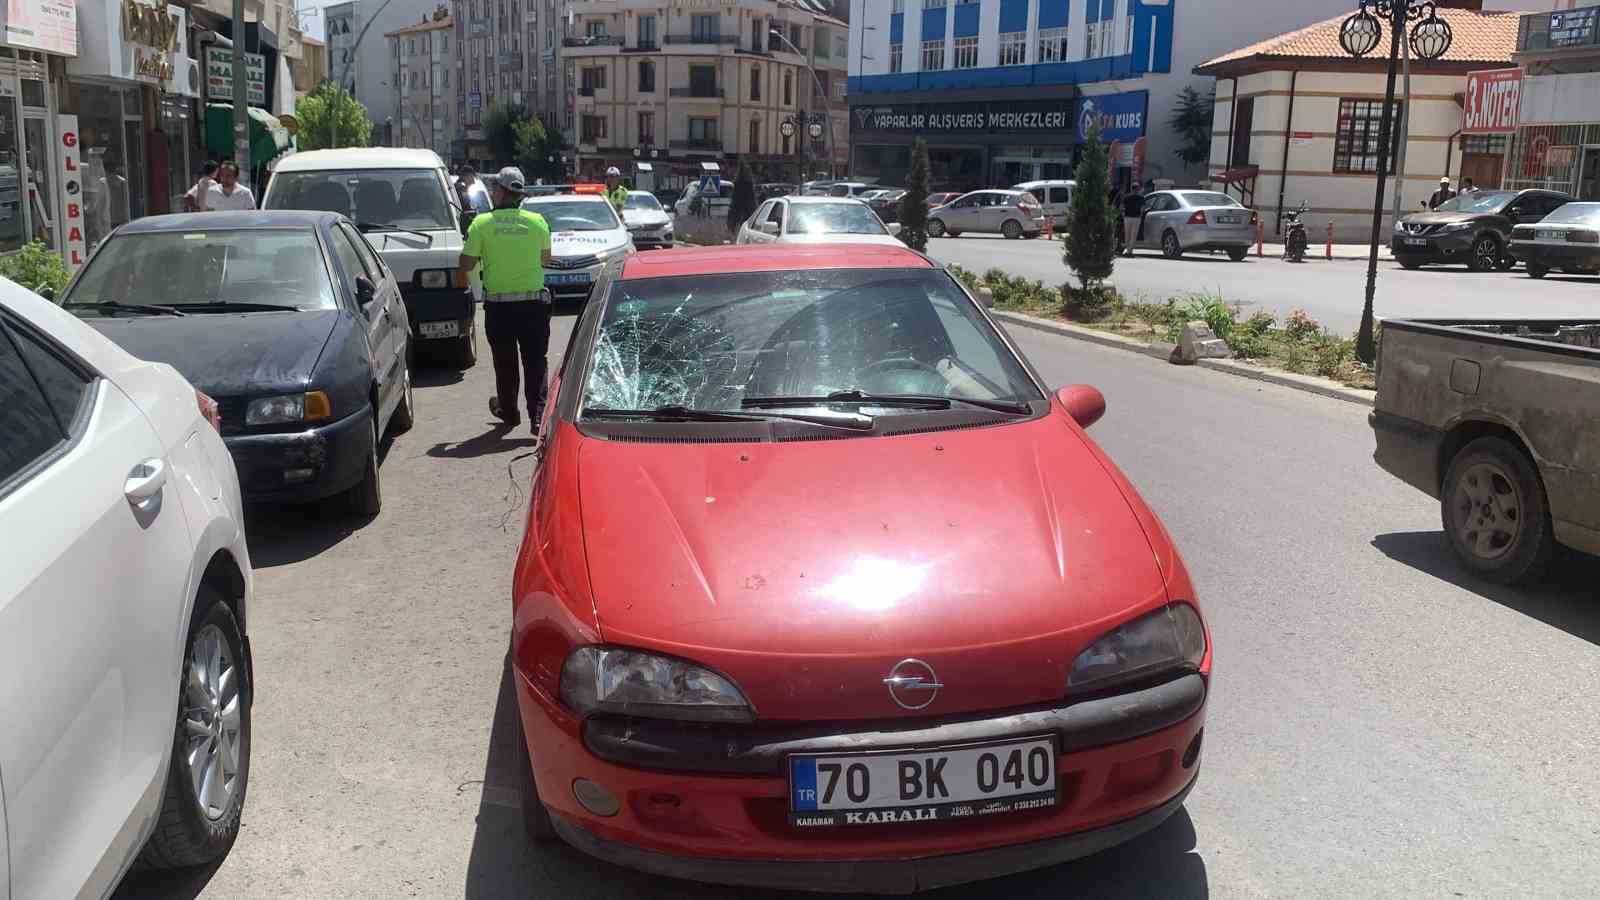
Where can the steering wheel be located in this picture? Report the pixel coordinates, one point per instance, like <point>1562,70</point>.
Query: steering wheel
<point>903,375</point>
<point>898,364</point>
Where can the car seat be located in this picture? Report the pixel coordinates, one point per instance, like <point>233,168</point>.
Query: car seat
<point>375,202</point>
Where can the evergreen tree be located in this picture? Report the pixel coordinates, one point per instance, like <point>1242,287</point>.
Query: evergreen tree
<point>1191,119</point>
<point>914,203</point>
<point>1092,243</point>
<point>743,204</point>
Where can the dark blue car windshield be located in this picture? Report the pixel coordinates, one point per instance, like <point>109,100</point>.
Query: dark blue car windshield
<point>279,266</point>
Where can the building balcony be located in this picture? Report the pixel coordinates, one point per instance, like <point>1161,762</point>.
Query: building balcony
<point>720,39</point>
<point>703,144</point>
<point>1559,31</point>
<point>509,59</point>
<point>480,27</point>
<point>586,92</point>
<point>592,40</point>
<point>642,47</point>
<point>696,93</point>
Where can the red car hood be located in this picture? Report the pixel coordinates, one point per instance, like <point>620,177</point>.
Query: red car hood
<point>806,570</point>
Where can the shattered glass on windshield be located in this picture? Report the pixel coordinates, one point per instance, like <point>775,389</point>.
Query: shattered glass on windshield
<point>711,342</point>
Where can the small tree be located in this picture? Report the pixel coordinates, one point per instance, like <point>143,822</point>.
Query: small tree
<point>531,147</point>
<point>1191,119</point>
<point>743,205</point>
<point>914,203</point>
<point>318,112</point>
<point>1092,243</point>
<point>499,130</point>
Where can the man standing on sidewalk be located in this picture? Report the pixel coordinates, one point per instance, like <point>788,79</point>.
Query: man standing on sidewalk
<point>514,246</point>
<point>226,194</point>
<point>1132,210</point>
<point>1442,194</point>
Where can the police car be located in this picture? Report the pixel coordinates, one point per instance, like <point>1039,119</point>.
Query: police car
<point>585,237</point>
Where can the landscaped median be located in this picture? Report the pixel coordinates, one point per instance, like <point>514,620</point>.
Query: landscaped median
<point>1296,352</point>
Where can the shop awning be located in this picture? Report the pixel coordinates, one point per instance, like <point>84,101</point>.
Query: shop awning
<point>644,167</point>
<point>268,137</point>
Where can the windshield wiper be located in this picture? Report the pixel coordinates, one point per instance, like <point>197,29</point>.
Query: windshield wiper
<point>369,227</point>
<point>232,306</point>
<point>905,401</point>
<point>114,306</point>
<point>688,414</point>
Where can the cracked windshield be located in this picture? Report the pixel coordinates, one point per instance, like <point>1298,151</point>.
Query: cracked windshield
<point>733,342</point>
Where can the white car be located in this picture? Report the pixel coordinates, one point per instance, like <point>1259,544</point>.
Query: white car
<point>125,682</point>
<point>716,204</point>
<point>648,224</point>
<point>405,202</point>
<point>585,238</point>
<point>815,220</point>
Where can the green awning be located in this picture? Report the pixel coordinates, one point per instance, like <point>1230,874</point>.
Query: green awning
<point>268,137</point>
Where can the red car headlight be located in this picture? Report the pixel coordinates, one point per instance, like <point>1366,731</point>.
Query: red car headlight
<point>1171,639</point>
<point>634,683</point>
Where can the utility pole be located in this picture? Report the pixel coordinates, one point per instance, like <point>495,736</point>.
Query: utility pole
<point>241,112</point>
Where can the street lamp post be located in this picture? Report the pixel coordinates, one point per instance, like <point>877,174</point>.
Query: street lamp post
<point>812,124</point>
<point>817,83</point>
<point>1429,39</point>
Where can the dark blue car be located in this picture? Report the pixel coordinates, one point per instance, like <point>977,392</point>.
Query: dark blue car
<point>288,320</point>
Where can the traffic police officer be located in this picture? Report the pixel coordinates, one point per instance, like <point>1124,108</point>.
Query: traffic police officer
<point>514,246</point>
<point>615,192</point>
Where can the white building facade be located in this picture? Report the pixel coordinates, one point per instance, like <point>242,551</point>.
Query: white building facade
<point>1003,90</point>
<point>421,70</point>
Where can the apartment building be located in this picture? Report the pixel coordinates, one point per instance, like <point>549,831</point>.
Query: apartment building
<point>505,52</point>
<point>421,60</point>
<point>691,82</point>
<point>342,26</point>
<point>1554,139</point>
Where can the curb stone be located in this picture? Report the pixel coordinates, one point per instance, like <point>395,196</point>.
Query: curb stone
<point>1162,350</point>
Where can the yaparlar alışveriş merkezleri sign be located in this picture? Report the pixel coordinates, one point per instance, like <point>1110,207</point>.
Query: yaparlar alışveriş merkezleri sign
<point>1120,117</point>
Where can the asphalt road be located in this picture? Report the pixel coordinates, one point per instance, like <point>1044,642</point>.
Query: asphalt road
<point>1379,725</point>
<point>1331,291</point>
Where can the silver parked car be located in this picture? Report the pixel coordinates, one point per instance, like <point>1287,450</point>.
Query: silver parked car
<point>1011,213</point>
<point>1176,222</point>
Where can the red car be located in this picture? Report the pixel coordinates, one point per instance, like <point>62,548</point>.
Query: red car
<point>941,199</point>
<point>821,588</point>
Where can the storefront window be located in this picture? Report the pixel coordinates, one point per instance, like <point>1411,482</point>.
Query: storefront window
<point>175,125</point>
<point>106,190</point>
<point>13,231</point>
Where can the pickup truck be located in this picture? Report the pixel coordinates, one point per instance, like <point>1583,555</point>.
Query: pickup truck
<point>1499,420</point>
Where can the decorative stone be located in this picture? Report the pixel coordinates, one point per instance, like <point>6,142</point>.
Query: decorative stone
<point>1196,341</point>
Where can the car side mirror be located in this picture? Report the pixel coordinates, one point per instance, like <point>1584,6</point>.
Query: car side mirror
<point>894,228</point>
<point>1084,403</point>
<point>770,228</point>
<point>49,293</point>
<point>466,220</point>
<point>365,292</point>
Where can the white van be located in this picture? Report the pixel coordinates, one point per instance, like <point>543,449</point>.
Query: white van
<point>1056,195</point>
<point>404,202</point>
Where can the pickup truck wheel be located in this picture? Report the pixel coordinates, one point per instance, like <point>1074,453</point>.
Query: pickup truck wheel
<point>1537,271</point>
<point>1483,255</point>
<point>1495,513</point>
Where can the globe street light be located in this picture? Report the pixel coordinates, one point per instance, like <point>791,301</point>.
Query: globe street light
<point>1360,34</point>
<point>816,127</point>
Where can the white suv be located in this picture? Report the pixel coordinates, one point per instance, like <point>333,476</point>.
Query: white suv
<point>125,682</point>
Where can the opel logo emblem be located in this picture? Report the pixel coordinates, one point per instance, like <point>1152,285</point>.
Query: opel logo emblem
<point>912,684</point>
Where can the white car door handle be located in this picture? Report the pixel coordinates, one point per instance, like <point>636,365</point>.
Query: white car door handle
<point>145,481</point>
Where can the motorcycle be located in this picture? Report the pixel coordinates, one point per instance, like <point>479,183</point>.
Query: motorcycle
<point>1294,235</point>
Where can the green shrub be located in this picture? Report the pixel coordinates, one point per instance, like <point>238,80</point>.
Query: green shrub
<point>1156,315</point>
<point>1332,356</point>
<point>36,267</point>
<point>1259,324</point>
<point>965,276</point>
<point>1300,326</point>
<point>1207,308</point>
<point>1247,344</point>
<point>1090,304</point>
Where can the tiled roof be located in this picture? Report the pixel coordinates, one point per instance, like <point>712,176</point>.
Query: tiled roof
<point>1476,37</point>
<point>430,25</point>
<point>308,39</point>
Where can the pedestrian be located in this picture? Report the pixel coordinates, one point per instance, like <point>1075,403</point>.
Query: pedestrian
<point>1467,187</point>
<point>194,199</point>
<point>1442,195</point>
<point>227,194</point>
<point>615,192</point>
<point>1132,210</point>
<point>514,246</point>
<point>470,191</point>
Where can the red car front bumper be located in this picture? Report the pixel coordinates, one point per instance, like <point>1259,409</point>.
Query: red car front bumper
<point>1126,763</point>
